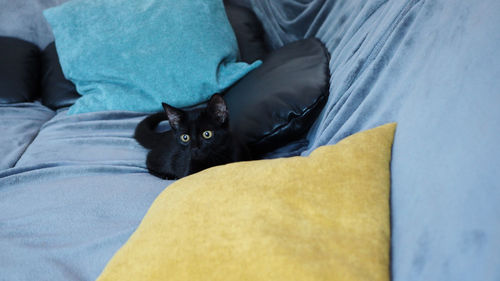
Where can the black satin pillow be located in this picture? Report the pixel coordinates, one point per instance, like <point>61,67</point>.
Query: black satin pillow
<point>19,70</point>
<point>56,90</point>
<point>249,33</point>
<point>278,102</point>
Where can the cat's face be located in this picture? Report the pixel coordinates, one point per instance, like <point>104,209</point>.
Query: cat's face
<point>201,132</point>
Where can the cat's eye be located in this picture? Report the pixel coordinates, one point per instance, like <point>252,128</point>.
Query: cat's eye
<point>185,138</point>
<point>207,134</point>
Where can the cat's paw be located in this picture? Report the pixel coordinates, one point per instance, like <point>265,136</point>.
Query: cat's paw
<point>158,174</point>
<point>171,177</point>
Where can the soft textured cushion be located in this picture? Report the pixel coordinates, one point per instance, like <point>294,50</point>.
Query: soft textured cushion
<point>133,55</point>
<point>56,90</point>
<point>249,33</point>
<point>278,102</point>
<point>19,70</point>
<point>321,217</point>
<point>23,19</point>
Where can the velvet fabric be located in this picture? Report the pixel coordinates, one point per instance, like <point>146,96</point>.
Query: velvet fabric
<point>23,19</point>
<point>124,55</point>
<point>74,196</point>
<point>20,123</point>
<point>321,217</point>
<point>433,67</point>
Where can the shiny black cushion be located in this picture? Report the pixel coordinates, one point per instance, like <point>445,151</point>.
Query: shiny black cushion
<point>278,102</point>
<point>56,90</point>
<point>249,33</point>
<point>19,70</point>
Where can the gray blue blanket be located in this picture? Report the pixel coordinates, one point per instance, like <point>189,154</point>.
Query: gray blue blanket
<point>19,125</point>
<point>74,196</point>
<point>433,66</point>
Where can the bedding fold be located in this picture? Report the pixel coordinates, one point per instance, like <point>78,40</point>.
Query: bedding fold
<point>432,67</point>
<point>75,196</point>
<point>19,125</point>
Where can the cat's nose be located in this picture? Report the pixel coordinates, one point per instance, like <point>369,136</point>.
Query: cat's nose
<point>195,151</point>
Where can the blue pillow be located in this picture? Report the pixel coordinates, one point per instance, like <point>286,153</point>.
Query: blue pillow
<point>133,55</point>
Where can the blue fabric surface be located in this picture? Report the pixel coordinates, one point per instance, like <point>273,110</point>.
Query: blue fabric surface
<point>75,196</point>
<point>19,125</point>
<point>133,55</point>
<point>434,67</point>
<point>23,19</point>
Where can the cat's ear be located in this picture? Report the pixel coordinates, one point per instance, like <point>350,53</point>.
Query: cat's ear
<point>217,108</point>
<point>174,115</point>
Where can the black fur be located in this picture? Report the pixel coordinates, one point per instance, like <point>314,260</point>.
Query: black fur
<point>171,158</point>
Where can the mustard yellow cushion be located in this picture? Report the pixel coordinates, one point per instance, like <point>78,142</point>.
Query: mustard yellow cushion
<point>322,217</point>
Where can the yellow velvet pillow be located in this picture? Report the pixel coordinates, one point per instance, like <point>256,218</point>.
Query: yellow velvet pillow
<point>321,217</point>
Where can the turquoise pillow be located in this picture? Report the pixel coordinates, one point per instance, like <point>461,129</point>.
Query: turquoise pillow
<point>133,55</point>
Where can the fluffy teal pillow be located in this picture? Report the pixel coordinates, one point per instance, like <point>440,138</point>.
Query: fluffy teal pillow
<point>133,55</point>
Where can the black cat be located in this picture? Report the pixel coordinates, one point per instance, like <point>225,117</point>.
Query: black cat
<point>200,138</point>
